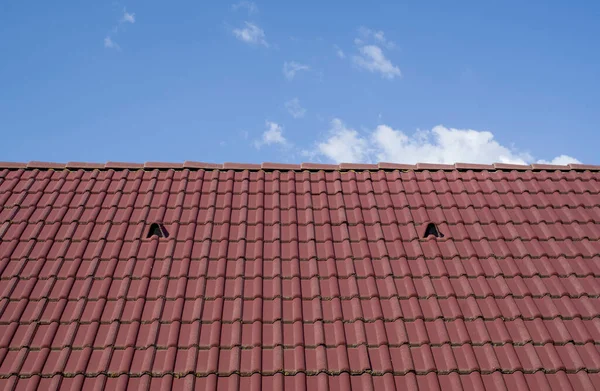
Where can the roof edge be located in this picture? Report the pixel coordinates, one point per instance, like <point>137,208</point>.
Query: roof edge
<point>295,167</point>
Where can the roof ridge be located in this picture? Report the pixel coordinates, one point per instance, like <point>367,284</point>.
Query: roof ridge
<point>293,167</point>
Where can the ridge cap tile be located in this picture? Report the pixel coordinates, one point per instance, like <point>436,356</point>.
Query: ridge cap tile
<point>584,167</point>
<point>123,165</point>
<point>12,165</point>
<point>279,166</point>
<point>201,165</point>
<point>303,166</point>
<point>356,166</point>
<point>434,166</point>
<point>507,166</point>
<point>84,165</point>
<point>51,165</point>
<point>241,166</point>
<point>161,165</point>
<point>550,167</point>
<point>473,166</point>
<point>319,166</point>
<point>396,166</point>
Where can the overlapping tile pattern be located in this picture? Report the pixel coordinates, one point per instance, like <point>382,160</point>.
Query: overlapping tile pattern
<point>296,279</point>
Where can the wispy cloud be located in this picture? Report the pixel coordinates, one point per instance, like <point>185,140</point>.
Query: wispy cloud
<point>371,56</point>
<point>249,6</point>
<point>339,52</point>
<point>110,44</point>
<point>438,145</point>
<point>291,68</point>
<point>273,135</point>
<point>251,34</point>
<point>377,36</point>
<point>372,59</point>
<point>128,18</point>
<point>294,108</point>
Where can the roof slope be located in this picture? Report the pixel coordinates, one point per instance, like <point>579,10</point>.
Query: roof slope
<point>299,277</point>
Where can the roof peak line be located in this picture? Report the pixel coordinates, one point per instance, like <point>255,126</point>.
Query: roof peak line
<point>294,167</point>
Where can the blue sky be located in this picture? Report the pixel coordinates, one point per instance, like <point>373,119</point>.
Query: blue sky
<point>333,81</point>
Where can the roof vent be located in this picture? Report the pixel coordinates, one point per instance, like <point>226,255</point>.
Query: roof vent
<point>432,229</point>
<point>158,230</point>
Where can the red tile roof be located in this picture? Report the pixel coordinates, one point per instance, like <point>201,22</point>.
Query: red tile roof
<point>299,277</point>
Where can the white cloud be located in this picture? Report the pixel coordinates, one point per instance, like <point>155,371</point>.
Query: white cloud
<point>294,108</point>
<point>128,18</point>
<point>370,53</point>
<point>560,160</point>
<point>339,52</point>
<point>110,44</point>
<point>438,145</point>
<point>442,145</point>
<point>291,68</point>
<point>372,59</point>
<point>273,135</point>
<point>251,34</point>
<point>344,144</point>
<point>377,36</point>
<point>248,5</point>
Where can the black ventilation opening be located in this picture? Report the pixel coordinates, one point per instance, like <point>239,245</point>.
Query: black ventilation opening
<point>432,229</point>
<point>158,230</point>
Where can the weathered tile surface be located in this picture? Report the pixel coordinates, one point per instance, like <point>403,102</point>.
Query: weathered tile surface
<point>299,277</point>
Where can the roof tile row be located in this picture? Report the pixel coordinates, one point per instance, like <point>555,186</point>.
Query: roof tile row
<point>398,361</point>
<point>559,381</point>
<point>322,251</point>
<point>171,331</point>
